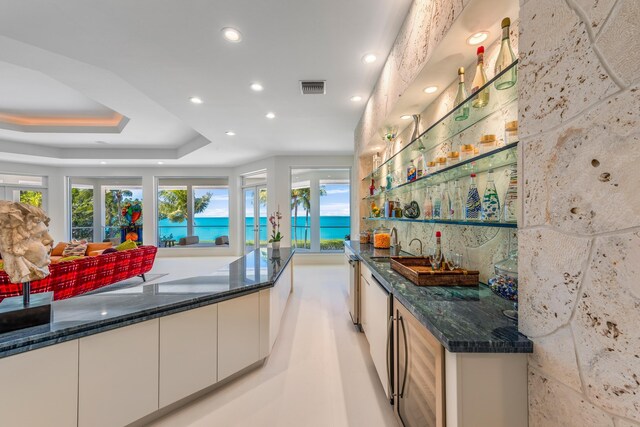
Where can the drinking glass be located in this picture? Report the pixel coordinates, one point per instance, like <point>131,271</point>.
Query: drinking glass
<point>449,262</point>
<point>457,260</point>
<point>436,260</point>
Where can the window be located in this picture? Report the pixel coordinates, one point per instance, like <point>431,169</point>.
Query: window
<point>320,209</point>
<point>190,208</point>
<point>24,188</point>
<point>82,212</point>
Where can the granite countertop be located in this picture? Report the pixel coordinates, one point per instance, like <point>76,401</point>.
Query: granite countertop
<point>464,319</point>
<point>99,312</point>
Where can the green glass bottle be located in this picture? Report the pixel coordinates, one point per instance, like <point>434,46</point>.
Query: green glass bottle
<point>462,113</point>
<point>505,58</point>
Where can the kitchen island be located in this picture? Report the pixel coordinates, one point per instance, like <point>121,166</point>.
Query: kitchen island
<point>117,356</point>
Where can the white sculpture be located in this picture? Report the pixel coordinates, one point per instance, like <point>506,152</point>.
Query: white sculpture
<point>25,243</point>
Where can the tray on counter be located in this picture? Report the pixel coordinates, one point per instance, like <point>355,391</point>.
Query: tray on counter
<point>418,270</point>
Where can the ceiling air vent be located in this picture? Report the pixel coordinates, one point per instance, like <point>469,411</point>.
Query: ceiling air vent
<point>313,87</point>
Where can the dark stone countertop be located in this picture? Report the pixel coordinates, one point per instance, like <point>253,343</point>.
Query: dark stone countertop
<point>464,319</point>
<point>99,312</point>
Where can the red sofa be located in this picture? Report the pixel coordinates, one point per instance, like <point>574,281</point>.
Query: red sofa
<point>71,278</point>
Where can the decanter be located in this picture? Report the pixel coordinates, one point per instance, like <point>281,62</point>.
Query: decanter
<point>509,211</point>
<point>473,206</point>
<point>437,204</point>
<point>490,201</point>
<point>457,206</point>
<point>427,207</point>
<point>445,203</point>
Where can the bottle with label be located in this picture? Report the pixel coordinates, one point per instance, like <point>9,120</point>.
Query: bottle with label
<point>490,201</point>
<point>389,181</point>
<point>510,213</point>
<point>412,172</point>
<point>445,203</point>
<point>437,204</point>
<point>462,113</point>
<point>480,79</point>
<point>457,206</point>
<point>372,187</point>
<point>473,206</point>
<point>505,58</point>
<point>427,207</point>
<point>436,262</point>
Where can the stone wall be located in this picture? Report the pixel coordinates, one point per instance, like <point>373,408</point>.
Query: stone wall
<point>579,244</point>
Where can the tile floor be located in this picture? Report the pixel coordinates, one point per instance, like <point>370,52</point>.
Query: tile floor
<point>319,373</point>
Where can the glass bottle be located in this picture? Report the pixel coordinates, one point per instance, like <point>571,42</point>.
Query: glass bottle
<point>372,187</point>
<point>479,80</point>
<point>437,204</point>
<point>389,181</point>
<point>473,206</point>
<point>505,58</point>
<point>445,203</point>
<point>509,211</point>
<point>436,263</point>
<point>376,161</point>
<point>412,172</point>
<point>457,209</point>
<point>427,207</point>
<point>490,201</point>
<point>462,113</point>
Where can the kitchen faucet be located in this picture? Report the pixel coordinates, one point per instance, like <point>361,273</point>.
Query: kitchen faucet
<point>419,241</point>
<point>396,247</point>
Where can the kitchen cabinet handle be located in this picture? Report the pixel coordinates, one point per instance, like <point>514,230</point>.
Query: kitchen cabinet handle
<point>406,357</point>
<point>389,326</point>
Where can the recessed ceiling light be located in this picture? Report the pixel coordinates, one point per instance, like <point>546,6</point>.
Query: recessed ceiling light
<point>270,115</point>
<point>231,34</point>
<point>103,163</point>
<point>256,87</point>
<point>161,163</point>
<point>356,98</point>
<point>195,100</point>
<point>431,89</point>
<point>406,117</point>
<point>230,133</point>
<point>369,58</point>
<point>101,142</point>
<point>477,38</point>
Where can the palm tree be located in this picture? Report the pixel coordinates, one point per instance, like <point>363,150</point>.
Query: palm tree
<point>302,197</point>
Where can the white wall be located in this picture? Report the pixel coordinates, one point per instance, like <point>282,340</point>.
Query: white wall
<point>278,189</point>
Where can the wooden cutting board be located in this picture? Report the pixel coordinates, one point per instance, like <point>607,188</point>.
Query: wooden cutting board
<point>418,270</point>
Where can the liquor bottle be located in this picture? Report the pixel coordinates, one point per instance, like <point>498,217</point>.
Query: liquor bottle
<point>372,187</point>
<point>505,58</point>
<point>437,204</point>
<point>445,203</point>
<point>462,113</point>
<point>457,206</point>
<point>412,172</point>
<point>490,201</point>
<point>480,79</point>
<point>510,213</point>
<point>436,263</point>
<point>427,207</point>
<point>473,207</point>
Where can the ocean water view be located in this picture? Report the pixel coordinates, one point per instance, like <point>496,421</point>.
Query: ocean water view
<point>331,228</point>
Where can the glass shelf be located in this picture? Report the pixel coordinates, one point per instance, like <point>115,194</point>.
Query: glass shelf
<point>446,221</point>
<point>503,156</point>
<point>447,128</point>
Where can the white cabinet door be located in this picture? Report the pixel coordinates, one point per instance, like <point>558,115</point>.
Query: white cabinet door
<point>40,387</point>
<point>279,297</point>
<point>118,376</point>
<point>364,304</point>
<point>378,317</point>
<point>188,353</point>
<point>238,334</point>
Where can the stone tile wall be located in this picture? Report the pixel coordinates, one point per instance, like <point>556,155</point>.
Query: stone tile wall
<point>580,240</point>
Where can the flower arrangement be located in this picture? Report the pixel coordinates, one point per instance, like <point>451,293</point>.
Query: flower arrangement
<point>274,219</point>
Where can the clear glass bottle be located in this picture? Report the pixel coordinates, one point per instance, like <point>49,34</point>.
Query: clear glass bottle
<point>457,206</point>
<point>462,113</point>
<point>376,161</point>
<point>490,201</point>
<point>510,209</point>
<point>480,79</point>
<point>427,207</point>
<point>473,206</point>
<point>505,58</point>
<point>445,202</point>
<point>412,172</point>
<point>437,204</point>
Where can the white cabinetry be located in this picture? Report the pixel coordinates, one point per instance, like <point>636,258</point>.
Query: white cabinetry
<point>273,301</point>
<point>40,387</point>
<point>188,353</point>
<point>375,306</point>
<point>118,375</point>
<point>238,334</point>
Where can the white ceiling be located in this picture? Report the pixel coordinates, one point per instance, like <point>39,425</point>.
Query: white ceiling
<point>145,58</point>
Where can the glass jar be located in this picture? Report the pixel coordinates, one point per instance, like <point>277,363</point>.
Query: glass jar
<point>505,281</point>
<point>511,132</point>
<point>364,237</point>
<point>453,157</point>
<point>441,163</point>
<point>431,167</point>
<point>487,143</point>
<point>467,151</point>
<point>382,238</point>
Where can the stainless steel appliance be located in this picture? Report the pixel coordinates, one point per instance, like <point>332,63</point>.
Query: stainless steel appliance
<point>418,360</point>
<point>354,286</point>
